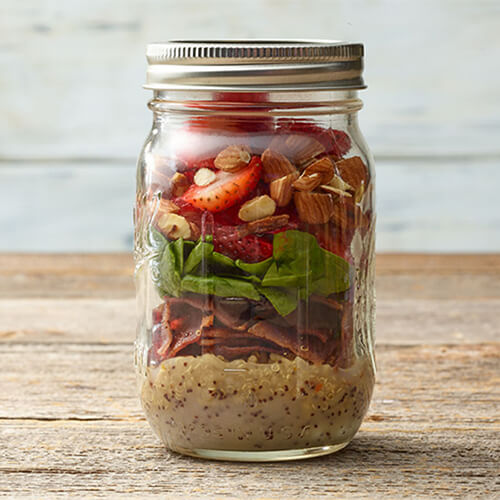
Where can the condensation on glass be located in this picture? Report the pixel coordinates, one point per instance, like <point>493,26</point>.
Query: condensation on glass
<point>254,250</point>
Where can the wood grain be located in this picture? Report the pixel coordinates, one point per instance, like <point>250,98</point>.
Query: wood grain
<point>430,432</point>
<point>71,423</point>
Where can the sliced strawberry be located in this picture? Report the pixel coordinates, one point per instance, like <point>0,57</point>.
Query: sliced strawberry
<point>227,189</point>
<point>251,248</point>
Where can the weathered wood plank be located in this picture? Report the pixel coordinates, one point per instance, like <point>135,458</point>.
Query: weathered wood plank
<point>431,431</point>
<point>407,112</point>
<point>409,195</point>
<point>71,423</point>
<point>109,459</point>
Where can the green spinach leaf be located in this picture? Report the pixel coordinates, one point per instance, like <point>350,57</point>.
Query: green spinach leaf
<point>178,249</point>
<point>283,300</point>
<point>202,251</point>
<point>169,276</point>
<point>257,268</point>
<point>219,285</point>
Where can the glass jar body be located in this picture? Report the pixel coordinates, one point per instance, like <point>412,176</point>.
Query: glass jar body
<point>254,250</point>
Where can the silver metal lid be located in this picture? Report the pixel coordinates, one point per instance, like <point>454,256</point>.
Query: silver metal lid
<point>256,65</point>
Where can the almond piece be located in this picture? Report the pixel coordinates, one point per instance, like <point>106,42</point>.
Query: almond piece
<point>353,171</point>
<point>303,149</point>
<point>174,226</point>
<point>338,183</point>
<point>204,177</point>
<point>307,182</point>
<point>319,172</point>
<point>257,208</point>
<point>233,158</point>
<point>281,189</point>
<point>313,208</point>
<point>179,184</point>
<point>334,190</point>
<point>324,166</point>
<point>275,165</point>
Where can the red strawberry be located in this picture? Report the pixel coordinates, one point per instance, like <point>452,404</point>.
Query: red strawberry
<point>227,189</point>
<point>336,142</point>
<point>251,248</point>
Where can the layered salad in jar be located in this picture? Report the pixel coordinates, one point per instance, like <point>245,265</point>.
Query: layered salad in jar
<point>257,243</point>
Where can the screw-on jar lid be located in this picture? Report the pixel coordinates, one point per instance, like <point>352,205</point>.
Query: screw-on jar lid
<point>255,65</point>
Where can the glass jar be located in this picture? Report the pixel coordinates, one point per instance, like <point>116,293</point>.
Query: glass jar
<point>254,250</point>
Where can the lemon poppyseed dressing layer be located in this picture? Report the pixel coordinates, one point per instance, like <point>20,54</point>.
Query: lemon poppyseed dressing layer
<point>206,402</point>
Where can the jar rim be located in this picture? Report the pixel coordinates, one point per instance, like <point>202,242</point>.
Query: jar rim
<point>255,65</point>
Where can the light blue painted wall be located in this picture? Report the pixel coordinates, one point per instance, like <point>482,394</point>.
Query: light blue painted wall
<point>70,92</point>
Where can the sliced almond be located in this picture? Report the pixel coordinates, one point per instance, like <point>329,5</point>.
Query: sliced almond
<point>204,177</point>
<point>275,165</point>
<point>257,208</point>
<point>281,190</point>
<point>338,183</point>
<point>314,208</point>
<point>233,158</point>
<point>179,184</point>
<point>334,190</point>
<point>174,226</point>
<point>353,171</point>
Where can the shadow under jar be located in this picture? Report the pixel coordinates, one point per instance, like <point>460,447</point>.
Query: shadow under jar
<point>254,251</point>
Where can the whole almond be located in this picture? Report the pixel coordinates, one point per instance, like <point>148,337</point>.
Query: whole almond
<point>281,190</point>
<point>275,165</point>
<point>233,158</point>
<point>179,184</point>
<point>313,208</point>
<point>204,177</point>
<point>353,171</point>
<point>324,166</point>
<point>257,208</point>
<point>319,172</point>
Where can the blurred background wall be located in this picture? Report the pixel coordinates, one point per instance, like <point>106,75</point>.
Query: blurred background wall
<point>73,113</point>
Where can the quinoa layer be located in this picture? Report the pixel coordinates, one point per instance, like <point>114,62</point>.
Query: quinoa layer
<point>205,402</point>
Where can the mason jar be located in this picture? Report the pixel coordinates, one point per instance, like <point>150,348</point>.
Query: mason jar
<point>254,249</point>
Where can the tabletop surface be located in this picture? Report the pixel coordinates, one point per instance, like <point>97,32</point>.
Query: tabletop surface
<point>71,423</point>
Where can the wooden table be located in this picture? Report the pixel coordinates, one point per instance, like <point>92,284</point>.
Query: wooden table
<point>71,421</point>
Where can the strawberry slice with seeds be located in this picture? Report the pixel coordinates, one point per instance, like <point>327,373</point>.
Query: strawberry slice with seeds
<point>251,248</point>
<point>227,189</point>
